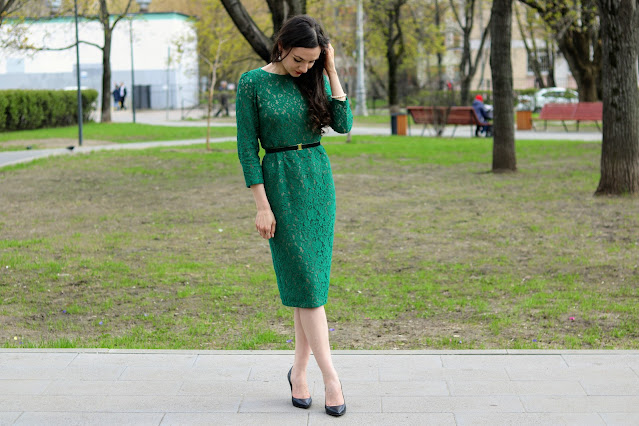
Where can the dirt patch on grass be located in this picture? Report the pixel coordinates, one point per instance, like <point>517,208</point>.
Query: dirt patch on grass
<point>158,249</point>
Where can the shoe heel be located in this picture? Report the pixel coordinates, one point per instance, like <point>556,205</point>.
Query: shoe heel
<point>304,403</point>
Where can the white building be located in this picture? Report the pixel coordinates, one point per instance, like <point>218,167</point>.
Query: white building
<point>164,74</point>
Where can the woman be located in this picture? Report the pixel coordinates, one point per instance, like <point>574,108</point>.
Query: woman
<point>286,104</point>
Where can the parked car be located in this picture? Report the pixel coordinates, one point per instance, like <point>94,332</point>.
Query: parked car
<point>557,95</point>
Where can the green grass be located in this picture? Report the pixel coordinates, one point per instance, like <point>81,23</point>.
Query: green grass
<point>156,249</point>
<point>117,132</point>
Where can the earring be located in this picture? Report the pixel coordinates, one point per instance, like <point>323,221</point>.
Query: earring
<point>279,56</point>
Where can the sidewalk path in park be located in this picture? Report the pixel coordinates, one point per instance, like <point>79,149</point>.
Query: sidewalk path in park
<point>160,118</point>
<point>161,387</point>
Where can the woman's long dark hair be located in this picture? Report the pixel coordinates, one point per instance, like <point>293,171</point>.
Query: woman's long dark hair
<point>304,31</point>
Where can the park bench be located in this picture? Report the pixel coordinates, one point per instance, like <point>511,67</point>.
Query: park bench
<point>440,116</point>
<point>582,111</point>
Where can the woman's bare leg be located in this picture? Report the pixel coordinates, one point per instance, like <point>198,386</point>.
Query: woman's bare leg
<point>302,354</point>
<point>315,326</point>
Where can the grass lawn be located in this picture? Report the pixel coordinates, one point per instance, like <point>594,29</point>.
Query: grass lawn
<point>101,134</point>
<point>157,249</point>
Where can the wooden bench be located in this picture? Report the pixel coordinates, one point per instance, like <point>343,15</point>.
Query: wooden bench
<point>440,116</point>
<point>582,111</point>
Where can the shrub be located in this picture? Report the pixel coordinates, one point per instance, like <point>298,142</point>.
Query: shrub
<point>36,109</point>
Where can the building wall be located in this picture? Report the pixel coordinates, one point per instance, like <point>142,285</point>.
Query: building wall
<point>154,42</point>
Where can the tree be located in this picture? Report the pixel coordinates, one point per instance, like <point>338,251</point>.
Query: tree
<point>504,159</point>
<point>8,7</point>
<point>108,20</point>
<point>620,146</point>
<point>386,16</point>
<point>532,28</point>
<point>576,27</point>
<point>468,66</point>
<point>280,10</point>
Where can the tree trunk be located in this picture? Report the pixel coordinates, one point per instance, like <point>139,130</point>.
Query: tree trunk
<point>587,73</point>
<point>620,146</point>
<point>504,159</point>
<point>280,11</point>
<point>106,74</point>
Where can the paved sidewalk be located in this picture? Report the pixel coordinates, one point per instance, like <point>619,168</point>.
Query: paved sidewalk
<point>99,386</point>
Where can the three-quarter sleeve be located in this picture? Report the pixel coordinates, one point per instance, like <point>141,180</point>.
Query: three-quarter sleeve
<point>248,147</point>
<point>341,114</point>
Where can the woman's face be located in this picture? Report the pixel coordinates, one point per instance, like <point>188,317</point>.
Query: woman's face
<point>299,60</point>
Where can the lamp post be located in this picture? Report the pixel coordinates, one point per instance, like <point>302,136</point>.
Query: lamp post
<point>77,72</point>
<point>144,7</point>
<point>54,6</point>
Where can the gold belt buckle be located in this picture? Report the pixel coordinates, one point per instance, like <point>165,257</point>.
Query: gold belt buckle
<point>299,146</point>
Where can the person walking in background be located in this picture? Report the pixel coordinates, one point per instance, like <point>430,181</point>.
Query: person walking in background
<point>285,106</point>
<point>224,99</point>
<point>484,114</point>
<point>116,96</point>
<point>122,95</point>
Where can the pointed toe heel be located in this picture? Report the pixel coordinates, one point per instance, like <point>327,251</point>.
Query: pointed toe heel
<point>298,402</point>
<point>336,410</point>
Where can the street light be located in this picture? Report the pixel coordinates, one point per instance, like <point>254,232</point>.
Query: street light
<point>54,5</point>
<point>144,7</point>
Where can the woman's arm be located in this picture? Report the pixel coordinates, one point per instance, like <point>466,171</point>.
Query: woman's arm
<point>329,66</point>
<point>265,220</point>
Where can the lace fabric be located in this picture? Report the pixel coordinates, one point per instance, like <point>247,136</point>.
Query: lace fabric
<point>299,184</point>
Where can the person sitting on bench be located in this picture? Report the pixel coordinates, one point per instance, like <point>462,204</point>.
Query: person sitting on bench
<point>484,114</point>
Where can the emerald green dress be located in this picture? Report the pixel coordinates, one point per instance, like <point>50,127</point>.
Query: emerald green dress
<point>299,184</point>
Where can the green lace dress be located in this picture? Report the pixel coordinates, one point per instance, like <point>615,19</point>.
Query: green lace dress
<point>299,184</point>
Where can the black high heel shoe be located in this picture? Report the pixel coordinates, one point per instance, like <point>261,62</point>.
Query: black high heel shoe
<point>336,410</point>
<point>298,402</point>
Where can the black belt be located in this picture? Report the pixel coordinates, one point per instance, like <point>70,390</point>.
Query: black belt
<point>297,147</point>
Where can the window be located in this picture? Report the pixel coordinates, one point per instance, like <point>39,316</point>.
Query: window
<point>544,62</point>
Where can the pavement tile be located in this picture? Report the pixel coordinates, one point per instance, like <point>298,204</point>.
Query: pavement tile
<point>423,388</point>
<point>402,375</point>
<point>582,404</point>
<point>605,386</point>
<point>500,361</point>
<point>298,418</point>
<point>148,360</point>
<point>248,361</point>
<point>120,404</point>
<point>8,417</point>
<point>172,374</point>
<point>268,404</point>
<point>112,387</point>
<point>357,389</point>
<point>384,419</point>
<point>388,361</point>
<point>614,360</point>
<point>572,373</point>
<point>23,387</point>
<point>442,404</point>
<point>523,419</point>
<point>69,373</point>
<point>36,359</point>
<point>75,418</point>
<point>229,388</point>
<point>620,419</point>
<point>479,388</point>
<point>264,373</point>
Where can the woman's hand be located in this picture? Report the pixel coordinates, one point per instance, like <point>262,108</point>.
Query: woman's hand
<point>265,223</point>
<point>329,59</point>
